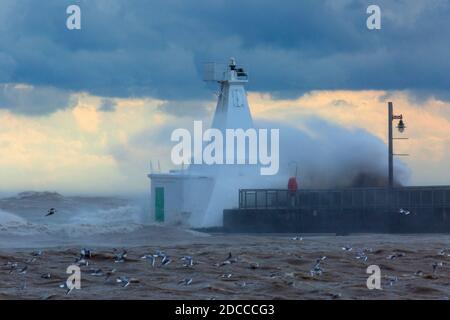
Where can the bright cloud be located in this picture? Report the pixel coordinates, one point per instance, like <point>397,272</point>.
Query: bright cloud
<point>86,149</point>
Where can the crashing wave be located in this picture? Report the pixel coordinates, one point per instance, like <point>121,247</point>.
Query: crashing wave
<point>89,222</point>
<point>13,224</point>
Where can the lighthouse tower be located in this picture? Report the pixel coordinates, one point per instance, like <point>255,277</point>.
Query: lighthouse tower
<point>196,196</point>
<point>232,111</point>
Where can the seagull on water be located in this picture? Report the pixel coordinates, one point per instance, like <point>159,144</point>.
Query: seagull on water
<point>188,261</point>
<point>165,260</point>
<point>109,274</point>
<point>150,258</point>
<point>159,254</point>
<point>120,257</point>
<point>86,253</point>
<point>230,259</point>
<point>23,270</point>
<point>37,253</point>
<point>435,265</point>
<point>82,262</point>
<point>392,280</point>
<point>96,272</point>
<point>395,255</point>
<point>125,282</point>
<point>185,282</point>
<point>316,269</point>
<point>361,256</point>
<point>68,290</point>
<point>12,266</point>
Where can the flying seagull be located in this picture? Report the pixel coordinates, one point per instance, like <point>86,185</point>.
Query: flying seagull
<point>50,212</point>
<point>404,212</point>
<point>31,260</point>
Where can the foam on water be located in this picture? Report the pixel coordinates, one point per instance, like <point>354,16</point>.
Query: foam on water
<point>14,224</point>
<point>7,219</point>
<point>123,219</point>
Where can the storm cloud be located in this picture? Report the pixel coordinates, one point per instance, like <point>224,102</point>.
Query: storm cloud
<point>134,48</point>
<point>34,101</point>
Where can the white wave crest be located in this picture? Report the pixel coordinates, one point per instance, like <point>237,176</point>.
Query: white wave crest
<point>124,219</point>
<point>14,224</point>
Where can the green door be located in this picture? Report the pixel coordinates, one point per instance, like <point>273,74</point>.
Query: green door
<point>159,204</point>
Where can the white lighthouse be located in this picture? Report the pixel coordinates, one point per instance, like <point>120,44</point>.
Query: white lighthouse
<point>196,196</point>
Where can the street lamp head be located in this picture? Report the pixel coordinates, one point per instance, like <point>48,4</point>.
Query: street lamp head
<point>401,126</point>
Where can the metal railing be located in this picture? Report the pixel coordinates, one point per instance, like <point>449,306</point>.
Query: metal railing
<point>404,197</point>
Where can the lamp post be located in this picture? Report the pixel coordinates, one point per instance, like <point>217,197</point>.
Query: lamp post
<point>401,128</point>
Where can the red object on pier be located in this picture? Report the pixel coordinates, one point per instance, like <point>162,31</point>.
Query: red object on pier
<point>292,184</point>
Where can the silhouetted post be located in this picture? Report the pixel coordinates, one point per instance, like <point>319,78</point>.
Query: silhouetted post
<point>401,127</point>
<point>391,149</point>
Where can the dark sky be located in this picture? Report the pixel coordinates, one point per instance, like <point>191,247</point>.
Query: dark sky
<point>140,48</point>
